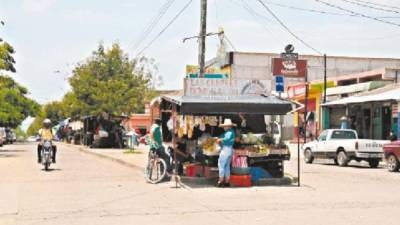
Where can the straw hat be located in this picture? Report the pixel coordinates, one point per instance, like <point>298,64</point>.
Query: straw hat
<point>227,123</point>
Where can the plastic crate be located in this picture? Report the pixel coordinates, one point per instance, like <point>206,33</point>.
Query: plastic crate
<point>194,170</point>
<point>240,180</point>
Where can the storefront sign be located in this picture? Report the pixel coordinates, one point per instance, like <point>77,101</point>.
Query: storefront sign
<point>395,110</point>
<point>296,90</point>
<point>225,87</point>
<point>279,84</point>
<point>300,90</point>
<point>289,56</point>
<point>192,71</point>
<point>289,68</point>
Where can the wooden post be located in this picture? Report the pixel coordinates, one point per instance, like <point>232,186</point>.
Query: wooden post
<point>298,149</point>
<point>174,143</point>
<point>202,39</point>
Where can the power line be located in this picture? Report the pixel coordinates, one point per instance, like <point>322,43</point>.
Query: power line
<point>216,11</point>
<point>165,28</point>
<point>356,13</point>
<point>152,24</point>
<point>229,42</point>
<point>256,16</point>
<point>253,12</point>
<point>287,28</point>
<point>378,4</point>
<point>371,7</point>
<point>308,10</point>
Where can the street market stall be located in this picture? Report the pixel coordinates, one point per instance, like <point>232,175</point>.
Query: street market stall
<point>193,121</point>
<point>104,131</point>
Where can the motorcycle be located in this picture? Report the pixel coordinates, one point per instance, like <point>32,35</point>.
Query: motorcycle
<point>47,154</point>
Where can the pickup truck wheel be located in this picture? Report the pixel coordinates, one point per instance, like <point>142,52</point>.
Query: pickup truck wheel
<point>335,161</point>
<point>308,156</point>
<point>342,158</point>
<point>373,163</point>
<point>392,163</point>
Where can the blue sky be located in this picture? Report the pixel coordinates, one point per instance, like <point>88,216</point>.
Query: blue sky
<point>51,35</point>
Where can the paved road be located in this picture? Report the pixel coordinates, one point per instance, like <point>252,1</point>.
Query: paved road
<point>83,189</point>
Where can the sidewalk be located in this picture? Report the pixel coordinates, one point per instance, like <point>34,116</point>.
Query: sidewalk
<point>135,159</point>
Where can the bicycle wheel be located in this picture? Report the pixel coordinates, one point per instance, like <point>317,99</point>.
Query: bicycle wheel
<point>155,170</point>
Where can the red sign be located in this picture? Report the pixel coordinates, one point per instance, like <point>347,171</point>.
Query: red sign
<point>289,68</point>
<point>395,110</point>
<point>296,91</point>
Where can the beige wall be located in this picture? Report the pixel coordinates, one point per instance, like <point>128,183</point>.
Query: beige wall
<point>258,66</point>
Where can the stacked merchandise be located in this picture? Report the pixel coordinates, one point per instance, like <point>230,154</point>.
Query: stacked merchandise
<point>240,172</point>
<point>255,145</point>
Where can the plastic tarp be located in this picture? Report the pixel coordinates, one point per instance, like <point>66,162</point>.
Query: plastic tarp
<point>393,94</point>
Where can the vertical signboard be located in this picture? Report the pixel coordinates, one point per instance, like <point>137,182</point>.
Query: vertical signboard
<point>279,84</point>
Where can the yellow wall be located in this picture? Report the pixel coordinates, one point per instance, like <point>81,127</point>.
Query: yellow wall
<point>312,95</point>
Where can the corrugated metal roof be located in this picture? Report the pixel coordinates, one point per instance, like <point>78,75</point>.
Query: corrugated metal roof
<point>267,105</point>
<point>354,88</point>
<point>392,94</point>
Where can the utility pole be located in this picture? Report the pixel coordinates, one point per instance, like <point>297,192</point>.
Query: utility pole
<point>325,78</point>
<point>202,39</point>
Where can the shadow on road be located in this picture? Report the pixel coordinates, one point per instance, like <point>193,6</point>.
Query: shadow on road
<point>7,155</point>
<point>11,150</point>
<point>352,166</point>
<point>51,169</point>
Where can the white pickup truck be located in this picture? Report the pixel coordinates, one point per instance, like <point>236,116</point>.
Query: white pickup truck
<point>343,145</point>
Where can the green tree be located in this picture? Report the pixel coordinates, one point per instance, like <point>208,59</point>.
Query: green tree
<point>72,107</point>
<point>6,59</point>
<point>109,82</point>
<point>53,110</point>
<point>20,133</point>
<point>14,105</point>
<point>36,124</point>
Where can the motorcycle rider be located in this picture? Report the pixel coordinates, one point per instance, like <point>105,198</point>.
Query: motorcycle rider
<point>46,134</point>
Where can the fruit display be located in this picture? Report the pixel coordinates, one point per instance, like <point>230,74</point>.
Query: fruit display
<point>210,145</point>
<point>250,139</point>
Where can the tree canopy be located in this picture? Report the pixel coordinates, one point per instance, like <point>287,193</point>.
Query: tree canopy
<point>52,111</point>
<point>15,106</point>
<point>6,59</point>
<point>109,82</point>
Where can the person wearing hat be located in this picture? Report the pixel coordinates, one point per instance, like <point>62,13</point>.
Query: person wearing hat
<point>46,133</point>
<point>225,156</point>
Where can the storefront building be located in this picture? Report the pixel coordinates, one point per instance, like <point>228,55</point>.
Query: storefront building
<point>373,115</point>
<point>331,116</point>
<point>297,93</point>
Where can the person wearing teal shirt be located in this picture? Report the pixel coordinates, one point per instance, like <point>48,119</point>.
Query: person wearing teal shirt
<point>155,135</point>
<point>225,157</point>
<point>156,143</point>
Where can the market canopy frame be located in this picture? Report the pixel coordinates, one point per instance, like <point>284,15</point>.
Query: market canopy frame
<point>195,105</point>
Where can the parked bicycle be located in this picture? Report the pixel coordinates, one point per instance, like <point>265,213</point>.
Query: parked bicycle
<point>156,168</point>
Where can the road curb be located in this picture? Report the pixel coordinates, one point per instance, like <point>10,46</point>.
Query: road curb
<point>110,158</point>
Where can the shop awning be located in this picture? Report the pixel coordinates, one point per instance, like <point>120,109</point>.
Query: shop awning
<point>354,88</point>
<point>393,94</point>
<point>267,105</point>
